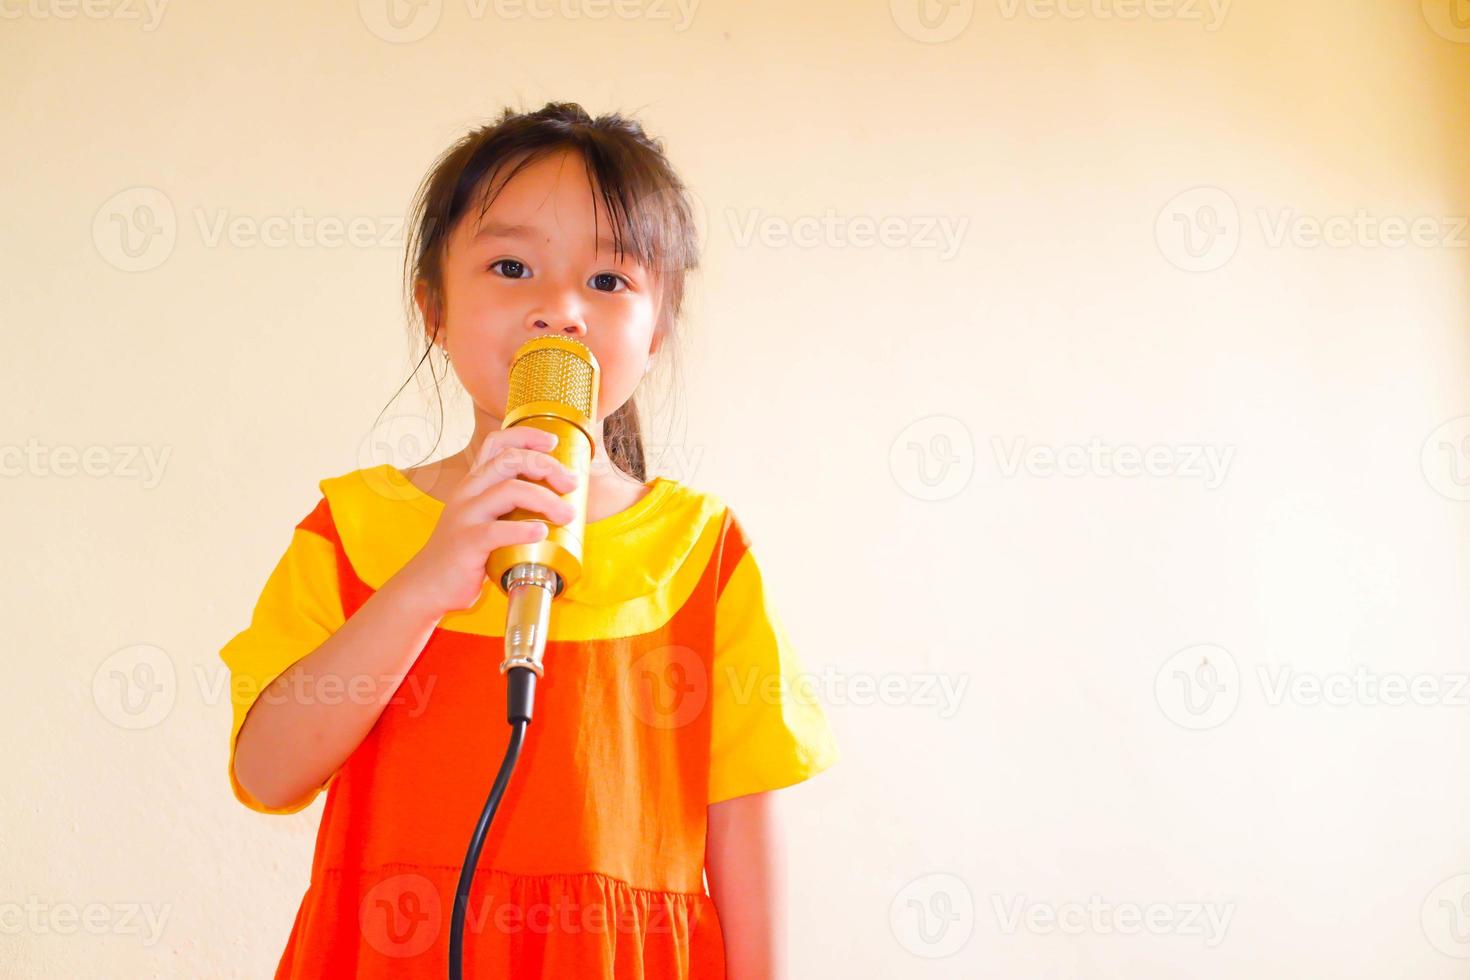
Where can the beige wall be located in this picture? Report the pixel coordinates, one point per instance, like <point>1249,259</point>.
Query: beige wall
<point>830,390</point>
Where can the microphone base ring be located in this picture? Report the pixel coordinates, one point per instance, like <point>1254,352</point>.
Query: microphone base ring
<point>526,662</point>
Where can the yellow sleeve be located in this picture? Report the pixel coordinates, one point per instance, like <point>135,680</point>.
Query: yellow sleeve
<point>768,729</point>
<point>298,609</point>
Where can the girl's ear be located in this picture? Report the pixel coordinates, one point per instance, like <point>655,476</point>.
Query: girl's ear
<point>428,308</point>
<point>658,338</point>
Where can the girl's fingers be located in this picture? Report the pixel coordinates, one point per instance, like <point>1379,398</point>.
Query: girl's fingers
<point>532,464</point>
<point>484,471</point>
<point>506,496</point>
<point>520,464</point>
<point>524,436</point>
<point>515,532</point>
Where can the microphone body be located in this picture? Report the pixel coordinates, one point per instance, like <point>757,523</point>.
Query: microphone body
<point>553,386</point>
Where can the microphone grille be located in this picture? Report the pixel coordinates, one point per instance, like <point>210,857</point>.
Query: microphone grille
<point>553,369</point>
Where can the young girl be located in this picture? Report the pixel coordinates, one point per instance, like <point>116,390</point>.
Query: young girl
<point>671,704</point>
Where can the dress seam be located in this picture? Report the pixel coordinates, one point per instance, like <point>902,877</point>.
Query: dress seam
<point>516,874</point>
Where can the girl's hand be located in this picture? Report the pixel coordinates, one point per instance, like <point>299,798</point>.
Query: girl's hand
<point>448,573</point>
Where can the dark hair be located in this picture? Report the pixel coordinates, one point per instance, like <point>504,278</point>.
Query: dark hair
<point>649,206</point>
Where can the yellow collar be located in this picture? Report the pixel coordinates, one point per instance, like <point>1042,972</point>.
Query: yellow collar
<point>639,565</point>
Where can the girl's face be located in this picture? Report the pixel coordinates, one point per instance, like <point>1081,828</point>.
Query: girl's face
<point>530,268</point>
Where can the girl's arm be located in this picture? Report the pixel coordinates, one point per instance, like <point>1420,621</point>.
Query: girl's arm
<point>745,861</point>
<point>287,746</point>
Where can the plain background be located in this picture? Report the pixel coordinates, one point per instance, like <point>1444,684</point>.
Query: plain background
<point>1191,690</point>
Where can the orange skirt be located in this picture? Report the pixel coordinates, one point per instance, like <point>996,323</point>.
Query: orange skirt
<point>396,925</point>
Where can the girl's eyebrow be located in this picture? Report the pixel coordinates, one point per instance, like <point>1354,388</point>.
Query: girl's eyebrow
<point>496,229</point>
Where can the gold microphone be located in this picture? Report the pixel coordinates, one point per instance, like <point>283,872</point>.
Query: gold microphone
<point>553,386</point>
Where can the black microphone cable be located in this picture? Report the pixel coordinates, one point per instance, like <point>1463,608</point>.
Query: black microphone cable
<point>529,588</point>
<point>520,697</point>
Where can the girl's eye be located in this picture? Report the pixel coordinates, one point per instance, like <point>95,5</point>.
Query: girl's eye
<point>510,262</point>
<point>606,282</point>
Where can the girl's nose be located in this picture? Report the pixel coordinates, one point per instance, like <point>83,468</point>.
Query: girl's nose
<point>572,328</point>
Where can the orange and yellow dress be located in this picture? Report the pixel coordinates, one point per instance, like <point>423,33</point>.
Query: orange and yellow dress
<point>670,685</point>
